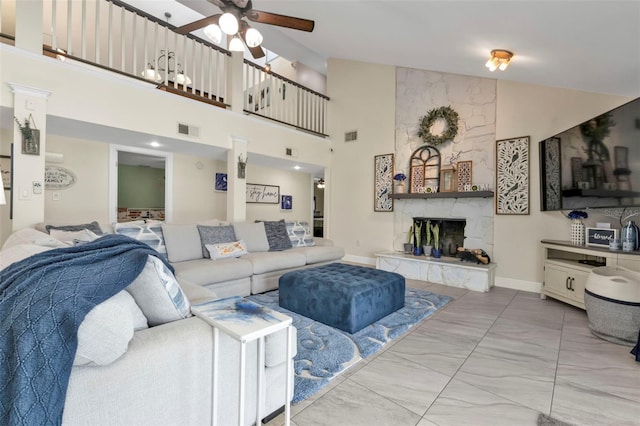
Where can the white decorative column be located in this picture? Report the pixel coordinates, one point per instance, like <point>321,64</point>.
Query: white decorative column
<point>236,187</point>
<point>29,103</point>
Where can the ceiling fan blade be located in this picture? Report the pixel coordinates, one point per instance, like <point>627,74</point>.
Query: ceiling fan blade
<point>257,51</point>
<point>200,23</point>
<point>280,20</point>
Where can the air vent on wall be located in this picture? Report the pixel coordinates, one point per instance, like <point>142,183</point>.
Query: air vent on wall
<point>290,152</point>
<point>351,136</point>
<point>187,130</point>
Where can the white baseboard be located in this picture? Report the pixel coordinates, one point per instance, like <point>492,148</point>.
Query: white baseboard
<point>515,284</point>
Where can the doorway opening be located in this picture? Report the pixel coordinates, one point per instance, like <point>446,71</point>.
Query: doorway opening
<point>318,207</point>
<point>140,184</point>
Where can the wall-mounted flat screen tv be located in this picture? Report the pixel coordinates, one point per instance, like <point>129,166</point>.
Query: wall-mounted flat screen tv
<point>594,164</point>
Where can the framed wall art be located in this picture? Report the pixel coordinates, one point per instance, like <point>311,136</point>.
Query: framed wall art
<point>512,176</point>
<point>464,175</point>
<point>267,194</point>
<point>286,202</point>
<point>550,173</point>
<point>383,183</point>
<point>221,182</point>
<point>5,167</point>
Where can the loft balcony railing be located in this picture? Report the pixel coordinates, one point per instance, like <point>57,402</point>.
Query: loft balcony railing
<point>120,38</point>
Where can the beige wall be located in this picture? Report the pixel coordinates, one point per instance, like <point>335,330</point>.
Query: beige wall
<point>538,112</point>
<point>363,99</point>
<point>291,183</point>
<point>88,199</point>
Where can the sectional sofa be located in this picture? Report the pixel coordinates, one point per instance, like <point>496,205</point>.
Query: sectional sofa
<point>255,254</point>
<point>143,359</point>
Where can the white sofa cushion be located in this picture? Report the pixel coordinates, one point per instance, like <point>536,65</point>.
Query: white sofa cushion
<point>158,294</point>
<point>18,252</point>
<point>106,330</point>
<point>319,254</point>
<point>274,261</point>
<point>253,234</point>
<point>226,250</point>
<point>32,236</point>
<point>205,271</point>
<point>182,242</point>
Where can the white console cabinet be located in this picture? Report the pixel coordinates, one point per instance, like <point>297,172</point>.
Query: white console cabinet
<point>567,267</point>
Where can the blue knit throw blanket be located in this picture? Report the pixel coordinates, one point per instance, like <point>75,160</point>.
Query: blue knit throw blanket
<point>43,300</point>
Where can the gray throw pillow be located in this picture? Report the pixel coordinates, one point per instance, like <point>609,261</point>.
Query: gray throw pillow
<point>93,227</point>
<point>215,235</point>
<point>277,235</point>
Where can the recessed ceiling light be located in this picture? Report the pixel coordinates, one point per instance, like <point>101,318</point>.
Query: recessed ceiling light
<point>155,144</point>
<point>297,167</point>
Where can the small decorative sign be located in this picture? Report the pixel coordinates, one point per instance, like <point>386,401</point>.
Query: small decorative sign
<point>269,194</point>
<point>601,237</point>
<point>56,177</point>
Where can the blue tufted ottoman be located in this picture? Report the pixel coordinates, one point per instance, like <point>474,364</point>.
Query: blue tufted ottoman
<point>343,296</point>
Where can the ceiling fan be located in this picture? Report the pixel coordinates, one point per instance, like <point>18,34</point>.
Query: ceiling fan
<point>231,23</point>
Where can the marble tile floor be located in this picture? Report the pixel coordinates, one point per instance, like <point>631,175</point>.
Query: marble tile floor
<point>496,358</point>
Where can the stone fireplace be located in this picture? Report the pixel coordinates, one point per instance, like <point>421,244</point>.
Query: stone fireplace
<point>451,232</point>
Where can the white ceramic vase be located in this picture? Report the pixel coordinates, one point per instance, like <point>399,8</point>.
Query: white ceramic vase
<point>577,232</point>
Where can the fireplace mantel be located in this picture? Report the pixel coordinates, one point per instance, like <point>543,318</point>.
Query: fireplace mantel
<point>465,194</point>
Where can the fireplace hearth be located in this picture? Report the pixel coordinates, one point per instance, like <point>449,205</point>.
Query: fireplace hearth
<point>451,232</point>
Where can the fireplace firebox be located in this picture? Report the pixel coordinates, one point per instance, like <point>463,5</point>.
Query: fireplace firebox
<point>451,232</point>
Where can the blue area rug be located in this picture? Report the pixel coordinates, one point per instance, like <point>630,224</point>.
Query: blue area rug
<point>324,352</point>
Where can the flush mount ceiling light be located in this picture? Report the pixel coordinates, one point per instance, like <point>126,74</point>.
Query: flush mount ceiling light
<point>499,60</point>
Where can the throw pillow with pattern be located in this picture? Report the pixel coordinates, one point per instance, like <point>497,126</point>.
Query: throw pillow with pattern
<point>277,235</point>
<point>215,235</point>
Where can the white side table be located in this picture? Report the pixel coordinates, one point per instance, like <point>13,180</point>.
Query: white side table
<point>245,321</point>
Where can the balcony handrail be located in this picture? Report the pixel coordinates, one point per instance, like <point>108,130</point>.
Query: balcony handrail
<point>118,37</point>
<point>167,25</point>
<point>285,79</point>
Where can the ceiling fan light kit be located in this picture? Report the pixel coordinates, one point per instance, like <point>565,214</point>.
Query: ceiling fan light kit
<point>235,45</point>
<point>499,60</point>
<point>231,22</point>
<point>253,37</point>
<point>228,23</point>
<point>213,32</point>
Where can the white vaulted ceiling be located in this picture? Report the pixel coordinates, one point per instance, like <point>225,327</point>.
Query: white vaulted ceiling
<point>592,46</point>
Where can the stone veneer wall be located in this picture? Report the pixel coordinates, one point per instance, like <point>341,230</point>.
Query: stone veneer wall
<point>474,99</point>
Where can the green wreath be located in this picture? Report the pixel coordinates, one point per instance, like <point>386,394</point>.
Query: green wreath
<point>449,115</point>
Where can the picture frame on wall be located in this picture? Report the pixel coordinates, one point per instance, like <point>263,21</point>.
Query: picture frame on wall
<point>263,194</point>
<point>551,174</point>
<point>31,146</point>
<point>5,166</point>
<point>286,202</point>
<point>221,182</point>
<point>512,176</point>
<point>383,183</point>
